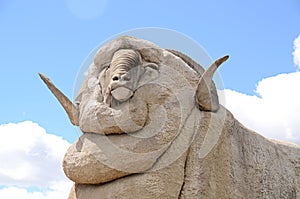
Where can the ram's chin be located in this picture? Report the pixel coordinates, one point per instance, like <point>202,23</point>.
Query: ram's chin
<point>127,115</point>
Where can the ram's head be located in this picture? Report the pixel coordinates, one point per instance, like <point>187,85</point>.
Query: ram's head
<point>141,96</point>
<point>113,97</point>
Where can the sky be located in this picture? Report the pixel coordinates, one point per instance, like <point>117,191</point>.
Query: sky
<point>260,81</point>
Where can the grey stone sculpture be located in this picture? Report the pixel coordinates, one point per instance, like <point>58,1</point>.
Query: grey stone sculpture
<point>153,128</point>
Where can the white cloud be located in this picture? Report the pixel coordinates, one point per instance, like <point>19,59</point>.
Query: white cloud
<point>275,114</point>
<point>30,157</point>
<point>296,52</point>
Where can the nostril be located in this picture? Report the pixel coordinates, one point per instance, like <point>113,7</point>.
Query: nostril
<point>115,78</point>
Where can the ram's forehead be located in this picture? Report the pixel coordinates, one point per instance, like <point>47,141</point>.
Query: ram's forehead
<point>150,52</point>
<point>105,53</point>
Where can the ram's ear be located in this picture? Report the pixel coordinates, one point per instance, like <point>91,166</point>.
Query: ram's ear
<point>150,73</point>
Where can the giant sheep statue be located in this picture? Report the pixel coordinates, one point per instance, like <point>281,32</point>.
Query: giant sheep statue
<point>153,128</point>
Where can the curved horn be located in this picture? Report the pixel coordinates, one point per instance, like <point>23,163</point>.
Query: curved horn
<point>69,107</point>
<point>206,93</point>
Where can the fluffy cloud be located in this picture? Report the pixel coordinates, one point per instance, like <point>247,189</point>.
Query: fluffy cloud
<point>274,113</point>
<point>296,52</point>
<point>31,159</point>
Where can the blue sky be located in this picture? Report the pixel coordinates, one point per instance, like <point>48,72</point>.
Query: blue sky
<point>54,37</point>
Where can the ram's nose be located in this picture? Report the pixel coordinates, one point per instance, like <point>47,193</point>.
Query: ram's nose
<point>121,77</point>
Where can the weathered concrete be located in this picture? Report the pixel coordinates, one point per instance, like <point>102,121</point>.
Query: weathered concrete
<point>153,128</point>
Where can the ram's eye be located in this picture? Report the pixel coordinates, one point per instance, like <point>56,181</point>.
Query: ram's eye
<point>107,68</point>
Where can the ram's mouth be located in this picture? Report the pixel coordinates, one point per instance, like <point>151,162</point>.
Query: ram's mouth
<point>124,111</point>
<point>122,93</point>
